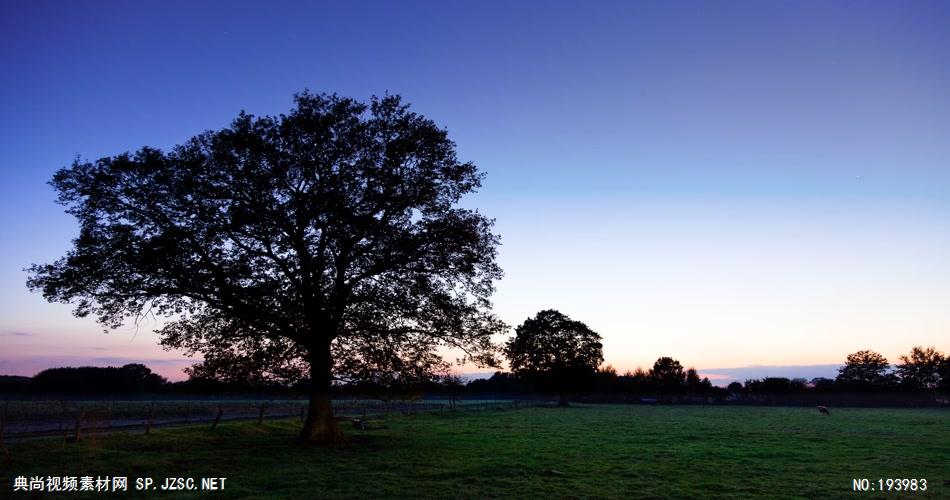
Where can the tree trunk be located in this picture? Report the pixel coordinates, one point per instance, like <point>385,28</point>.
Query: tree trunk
<point>563,400</point>
<point>320,427</point>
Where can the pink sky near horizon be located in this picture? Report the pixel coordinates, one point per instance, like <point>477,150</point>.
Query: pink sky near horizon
<point>27,353</point>
<point>761,298</point>
<point>172,368</point>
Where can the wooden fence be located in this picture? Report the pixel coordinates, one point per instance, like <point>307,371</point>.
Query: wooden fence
<point>73,419</point>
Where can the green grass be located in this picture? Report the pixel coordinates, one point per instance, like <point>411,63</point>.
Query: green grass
<point>585,451</point>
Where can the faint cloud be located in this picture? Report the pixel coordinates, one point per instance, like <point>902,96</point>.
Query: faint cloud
<point>16,334</point>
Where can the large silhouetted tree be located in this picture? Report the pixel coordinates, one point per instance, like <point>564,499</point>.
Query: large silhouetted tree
<point>323,243</point>
<point>865,370</point>
<point>555,352</point>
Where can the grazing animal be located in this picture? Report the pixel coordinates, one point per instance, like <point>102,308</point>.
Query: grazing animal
<point>823,410</point>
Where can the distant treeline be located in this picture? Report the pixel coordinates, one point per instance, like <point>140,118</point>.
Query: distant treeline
<point>864,372</point>
<point>129,379</point>
<point>924,370</point>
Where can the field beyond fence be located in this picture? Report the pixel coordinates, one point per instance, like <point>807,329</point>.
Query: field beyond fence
<point>72,419</point>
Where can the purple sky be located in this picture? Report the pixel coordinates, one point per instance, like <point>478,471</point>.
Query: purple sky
<point>728,183</point>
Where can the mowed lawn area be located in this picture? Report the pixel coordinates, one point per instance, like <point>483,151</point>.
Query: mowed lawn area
<point>583,451</point>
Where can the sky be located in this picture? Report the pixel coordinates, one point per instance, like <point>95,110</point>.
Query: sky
<point>745,186</point>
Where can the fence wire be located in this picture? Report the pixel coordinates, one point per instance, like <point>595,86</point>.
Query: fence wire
<point>25,419</point>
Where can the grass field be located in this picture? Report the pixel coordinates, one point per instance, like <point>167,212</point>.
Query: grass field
<point>584,451</point>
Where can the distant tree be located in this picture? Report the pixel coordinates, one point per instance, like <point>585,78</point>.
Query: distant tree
<point>498,383</point>
<point>769,385</point>
<point>921,369</point>
<point>669,375</point>
<point>12,384</point>
<point>734,387</point>
<point>637,382</point>
<point>198,385</point>
<point>798,384</point>
<point>642,377</point>
<point>324,244</point>
<point>822,383</point>
<point>131,378</point>
<point>452,381</point>
<point>607,380</point>
<point>607,370</point>
<point>945,374</point>
<point>136,376</point>
<point>865,370</point>
<point>555,352</point>
<point>776,385</point>
<point>697,385</point>
<point>692,377</point>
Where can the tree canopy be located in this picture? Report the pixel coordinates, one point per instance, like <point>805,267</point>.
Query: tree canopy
<point>324,243</point>
<point>922,368</point>
<point>95,380</point>
<point>554,351</point>
<point>696,384</point>
<point>668,374</point>
<point>865,370</point>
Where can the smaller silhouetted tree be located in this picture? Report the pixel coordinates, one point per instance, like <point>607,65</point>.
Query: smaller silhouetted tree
<point>734,388</point>
<point>637,382</point>
<point>921,369</point>
<point>769,385</point>
<point>695,384</point>
<point>750,384</point>
<point>452,381</point>
<point>798,384</point>
<point>669,375</point>
<point>775,385</point>
<point>555,353</point>
<point>822,383</point>
<point>945,374</point>
<point>865,370</point>
<point>606,380</point>
<point>498,383</point>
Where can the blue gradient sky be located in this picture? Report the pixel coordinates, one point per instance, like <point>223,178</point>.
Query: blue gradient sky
<point>728,183</point>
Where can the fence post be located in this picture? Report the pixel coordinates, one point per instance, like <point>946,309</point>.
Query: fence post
<point>218,417</point>
<point>109,414</point>
<point>149,421</point>
<point>62,425</point>
<point>260,417</point>
<point>3,424</point>
<point>303,410</point>
<point>79,418</point>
